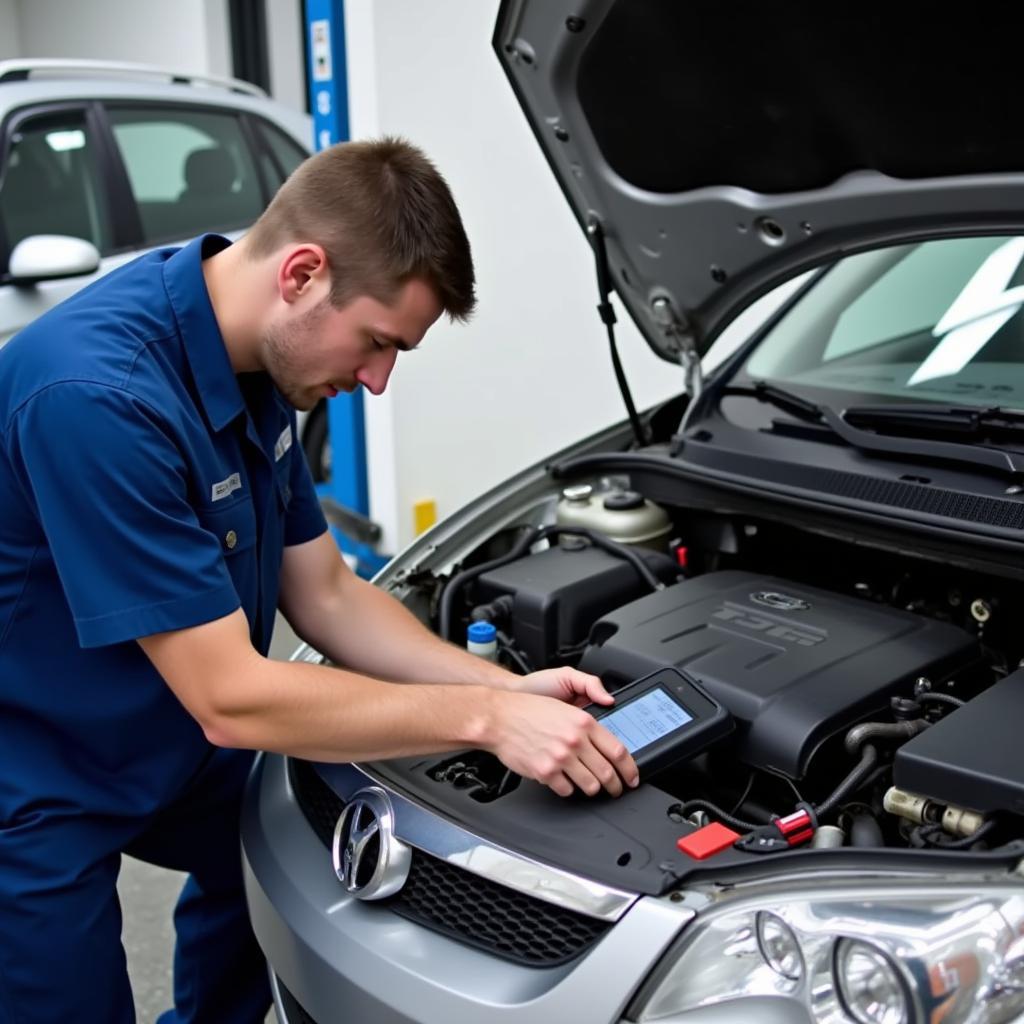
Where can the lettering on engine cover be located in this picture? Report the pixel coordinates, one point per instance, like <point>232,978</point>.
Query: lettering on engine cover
<point>746,619</point>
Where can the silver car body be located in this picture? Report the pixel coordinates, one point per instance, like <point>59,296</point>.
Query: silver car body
<point>710,154</point>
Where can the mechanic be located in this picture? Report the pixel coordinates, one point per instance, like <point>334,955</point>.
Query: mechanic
<point>156,513</point>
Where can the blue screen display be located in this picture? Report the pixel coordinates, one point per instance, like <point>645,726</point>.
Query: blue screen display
<point>646,719</point>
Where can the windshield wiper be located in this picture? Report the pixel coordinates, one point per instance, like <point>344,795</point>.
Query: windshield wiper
<point>970,422</point>
<point>1008,462</point>
<point>795,405</point>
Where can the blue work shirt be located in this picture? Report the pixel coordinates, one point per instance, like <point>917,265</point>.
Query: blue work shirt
<point>144,487</point>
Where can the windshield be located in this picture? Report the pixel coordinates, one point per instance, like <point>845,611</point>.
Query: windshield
<point>936,321</point>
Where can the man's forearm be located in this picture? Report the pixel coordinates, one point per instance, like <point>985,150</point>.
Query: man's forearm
<point>326,714</point>
<point>367,630</point>
<point>242,699</point>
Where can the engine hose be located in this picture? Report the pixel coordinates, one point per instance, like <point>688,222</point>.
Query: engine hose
<point>865,831</point>
<point>860,734</point>
<point>940,698</point>
<point>506,647</point>
<point>878,773</point>
<point>857,742</point>
<point>613,547</point>
<point>868,759</point>
<point>457,582</point>
<point>494,611</point>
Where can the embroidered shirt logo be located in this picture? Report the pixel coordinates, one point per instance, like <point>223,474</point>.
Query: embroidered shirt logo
<point>226,487</point>
<point>284,442</point>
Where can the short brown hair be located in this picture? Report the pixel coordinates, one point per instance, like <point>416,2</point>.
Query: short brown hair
<point>383,214</point>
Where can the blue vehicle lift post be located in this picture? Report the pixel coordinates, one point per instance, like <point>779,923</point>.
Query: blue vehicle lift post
<point>347,491</point>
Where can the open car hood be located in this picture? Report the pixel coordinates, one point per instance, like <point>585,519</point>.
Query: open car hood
<point>720,150</point>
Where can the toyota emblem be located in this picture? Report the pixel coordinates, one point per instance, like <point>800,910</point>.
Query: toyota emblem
<point>780,602</point>
<point>371,862</point>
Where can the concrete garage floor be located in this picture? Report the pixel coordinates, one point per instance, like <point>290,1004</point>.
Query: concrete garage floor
<point>148,895</point>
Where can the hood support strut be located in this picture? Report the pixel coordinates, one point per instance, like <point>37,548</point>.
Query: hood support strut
<point>607,314</point>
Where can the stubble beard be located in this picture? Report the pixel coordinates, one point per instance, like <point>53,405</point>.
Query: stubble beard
<point>281,347</point>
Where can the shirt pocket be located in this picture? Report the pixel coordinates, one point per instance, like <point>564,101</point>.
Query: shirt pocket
<point>233,525</point>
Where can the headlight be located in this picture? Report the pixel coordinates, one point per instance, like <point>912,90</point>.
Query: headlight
<point>899,955</point>
<point>778,946</point>
<point>869,983</point>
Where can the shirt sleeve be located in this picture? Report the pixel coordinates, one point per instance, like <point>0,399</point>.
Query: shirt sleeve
<point>305,519</point>
<point>111,490</point>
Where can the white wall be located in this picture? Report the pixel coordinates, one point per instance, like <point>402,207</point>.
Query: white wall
<point>10,33</point>
<point>285,42</point>
<point>190,35</point>
<point>216,46</point>
<point>532,371</point>
<point>176,35</point>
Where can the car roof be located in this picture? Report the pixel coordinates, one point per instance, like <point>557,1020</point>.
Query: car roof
<point>29,82</point>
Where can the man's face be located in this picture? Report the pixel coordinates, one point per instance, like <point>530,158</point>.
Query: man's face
<point>317,352</point>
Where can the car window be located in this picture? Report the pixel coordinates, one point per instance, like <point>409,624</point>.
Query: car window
<point>50,182</point>
<point>938,321</point>
<point>287,152</point>
<point>911,296</point>
<point>189,171</point>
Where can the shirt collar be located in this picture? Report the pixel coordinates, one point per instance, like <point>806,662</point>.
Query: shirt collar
<point>215,380</point>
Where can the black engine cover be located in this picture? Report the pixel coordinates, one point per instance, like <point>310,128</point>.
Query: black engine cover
<point>793,664</point>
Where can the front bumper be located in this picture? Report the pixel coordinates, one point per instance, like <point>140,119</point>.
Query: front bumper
<point>341,959</point>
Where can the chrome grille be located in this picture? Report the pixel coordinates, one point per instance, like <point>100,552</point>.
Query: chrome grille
<point>467,908</point>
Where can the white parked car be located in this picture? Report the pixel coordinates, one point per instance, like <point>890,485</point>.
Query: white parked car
<point>100,161</point>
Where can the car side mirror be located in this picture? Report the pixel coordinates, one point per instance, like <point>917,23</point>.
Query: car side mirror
<point>47,257</point>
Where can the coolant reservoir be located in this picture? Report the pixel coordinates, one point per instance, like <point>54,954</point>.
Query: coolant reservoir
<point>624,516</point>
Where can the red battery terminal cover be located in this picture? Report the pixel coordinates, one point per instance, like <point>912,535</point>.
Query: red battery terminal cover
<point>706,841</point>
<point>783,833</point>
<point>797,827</point>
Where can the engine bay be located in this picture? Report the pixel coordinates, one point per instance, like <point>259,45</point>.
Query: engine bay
<point>845,669</point>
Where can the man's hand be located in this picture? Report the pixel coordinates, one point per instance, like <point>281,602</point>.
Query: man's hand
<point>558,745</point>
<point>565,684</point>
